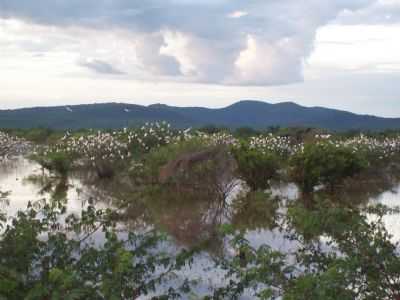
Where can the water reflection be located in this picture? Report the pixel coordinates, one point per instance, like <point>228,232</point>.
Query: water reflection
<point>191,219</point>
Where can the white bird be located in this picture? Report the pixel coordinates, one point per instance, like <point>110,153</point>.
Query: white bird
<point>127,110</point>
<point>68,109</point>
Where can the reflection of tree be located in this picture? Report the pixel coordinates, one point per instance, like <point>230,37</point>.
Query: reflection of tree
<point>190,206</point>
<point>191,218</point>
<point>255,210</point>
<point>3,199</point>
<point>189,201</point>
<point>358,190</point>
<point>111,191</point>
<point>8,167</point>
<point>55,187</point>
<point>361,189</point>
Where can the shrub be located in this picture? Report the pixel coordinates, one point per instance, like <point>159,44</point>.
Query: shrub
<point>324,163</point>
<point>148,169</point>
<point>256,167</point>
<point>58,162</point>
<point>45,258</point>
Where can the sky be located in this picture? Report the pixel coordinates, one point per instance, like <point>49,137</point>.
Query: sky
<point>342,54</point>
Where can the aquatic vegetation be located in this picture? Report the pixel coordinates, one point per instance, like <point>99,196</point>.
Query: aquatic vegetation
<point>348,257</point>
<point>142,151</point>
<point>324,163</point>
<point>257,167</point>
<point>60,260</point>
<point>189,192</point>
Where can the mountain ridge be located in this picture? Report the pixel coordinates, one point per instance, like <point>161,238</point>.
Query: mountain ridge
<point>250,113</point>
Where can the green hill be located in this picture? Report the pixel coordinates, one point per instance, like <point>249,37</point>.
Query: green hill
<point>248,113</point>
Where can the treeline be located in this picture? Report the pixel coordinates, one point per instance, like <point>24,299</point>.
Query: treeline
<point>47,135</point>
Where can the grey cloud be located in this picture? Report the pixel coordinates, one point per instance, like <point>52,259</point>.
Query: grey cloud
<point>148,53</point>
<point>285,30</point>
<point>99,66</point>
<point>380,12</point>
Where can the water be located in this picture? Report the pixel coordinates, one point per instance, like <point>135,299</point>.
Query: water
<point>186,222</point>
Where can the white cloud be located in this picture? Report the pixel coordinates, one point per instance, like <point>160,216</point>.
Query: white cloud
<point>340,53</point>
<point>188,40</point>
<point>269,63</point>
<point>363,48</point>
<point>238,14</point>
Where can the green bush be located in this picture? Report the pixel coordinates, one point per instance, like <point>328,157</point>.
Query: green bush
<point>256,167</point>
<point>42,258</point>
<point>324,163</point>
<point>58,162</point>
<point>147,171</point>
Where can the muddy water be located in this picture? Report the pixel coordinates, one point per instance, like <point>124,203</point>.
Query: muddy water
<point>187,222</point>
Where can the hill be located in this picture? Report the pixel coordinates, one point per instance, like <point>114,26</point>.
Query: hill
<point>249,113</point>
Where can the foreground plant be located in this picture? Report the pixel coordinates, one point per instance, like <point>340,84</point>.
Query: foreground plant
<point>339,254</point>
<point>325,164</point>
<point>257,168</point>
<point>47,254</point>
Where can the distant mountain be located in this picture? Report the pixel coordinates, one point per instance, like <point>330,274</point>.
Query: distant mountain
<point>249,113</point>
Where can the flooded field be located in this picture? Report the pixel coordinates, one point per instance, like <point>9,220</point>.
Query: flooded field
<point>199,216</point>
<point>187,222</point>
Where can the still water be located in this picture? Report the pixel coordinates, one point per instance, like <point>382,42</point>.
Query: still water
<point>186,222</point>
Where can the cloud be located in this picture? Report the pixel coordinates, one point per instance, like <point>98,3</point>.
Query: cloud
<point>99,66</point>
<point>149,53</point>
<point>236,42</point>
<point>238,14</point>
<point>380,12</point>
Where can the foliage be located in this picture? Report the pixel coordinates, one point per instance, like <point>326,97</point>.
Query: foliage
<point>147,169</point>
<point>337,250</point>
<point>246,132</point>
<point>324,163</point>
<point>255,167</point>
<point>60,162</point>
<point>52,259</point>
<point>40,135</point>
<point>355,260</point>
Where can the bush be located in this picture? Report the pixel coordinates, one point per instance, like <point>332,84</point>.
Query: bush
<point>324,163</point>
<point>41,135</point>
<point>148,169</point>
<point>42,258</point>
<point>256,167</point>
<point>58,162</point>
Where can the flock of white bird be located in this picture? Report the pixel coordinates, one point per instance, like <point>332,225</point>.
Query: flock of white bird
<point>125,143</point>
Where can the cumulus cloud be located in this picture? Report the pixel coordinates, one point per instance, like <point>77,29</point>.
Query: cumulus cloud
<point>238,42</point>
